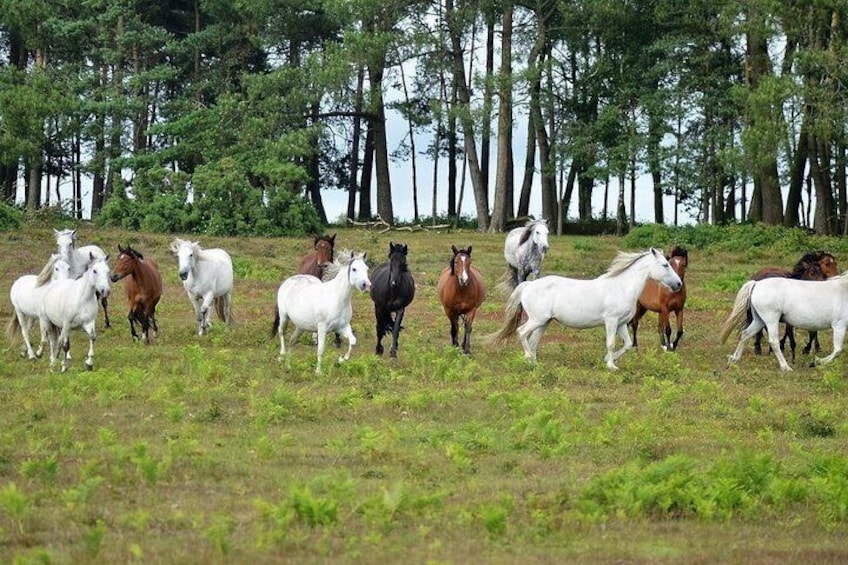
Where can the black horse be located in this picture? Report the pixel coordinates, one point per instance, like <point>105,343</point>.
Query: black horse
<point>392,290</point>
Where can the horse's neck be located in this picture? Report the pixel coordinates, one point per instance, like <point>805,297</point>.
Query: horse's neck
<point>340,284</point>
<point>632,281</point>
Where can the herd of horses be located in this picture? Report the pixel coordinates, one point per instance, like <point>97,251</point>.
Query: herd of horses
<point>75,283</point>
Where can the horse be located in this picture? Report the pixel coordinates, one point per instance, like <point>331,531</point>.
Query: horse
<point>72,303</point>
<point>207,276</point>
<point>26,294</point>
<point>461,292</point>
<point>79,258</point>
<point>392,290</point>
<point>811,305</point>
<point>812,266</point>
<point>659,298</point>
<point>321,306</point>
<point>524,249</point>
<point>314,262</point>
<point>144,286</point>
<point>608,300</point>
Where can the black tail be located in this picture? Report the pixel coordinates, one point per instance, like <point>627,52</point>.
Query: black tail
<point>276,325</point>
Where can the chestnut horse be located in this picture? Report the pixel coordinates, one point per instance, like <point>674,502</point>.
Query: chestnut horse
<point>659,298</point>
<point>144,286</point>
<point>316,260</point>
<point>812,266</point>
<point>461,291</point>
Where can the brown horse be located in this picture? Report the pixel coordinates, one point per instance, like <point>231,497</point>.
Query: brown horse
<point>314,262</point>
<point>144,285</point>
<point>812,266</point>
<point>659,298</point>
<point>461,291</point>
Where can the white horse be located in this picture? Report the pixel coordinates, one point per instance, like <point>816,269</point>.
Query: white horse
<point>609,301</point>
<point>72,303</point>
<point>524,249</point>
<point>811,305</point>
<point>321,306</point>
<point>207,276</point>
<point>26,294</point>
<point>79,258</point>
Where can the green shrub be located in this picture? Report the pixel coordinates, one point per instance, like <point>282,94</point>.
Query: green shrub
<point>10,217</point>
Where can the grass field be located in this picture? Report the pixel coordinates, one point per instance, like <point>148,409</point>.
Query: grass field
<point>199,450</point>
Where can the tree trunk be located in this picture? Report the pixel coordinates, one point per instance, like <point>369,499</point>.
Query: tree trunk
<point>453,151</point>
<point>365,213</point>
<point>488,94</point>
<point>354,151</point>
<point>529,171</point>
<point>655,134</point>
<point>504,174</point>
<point>381,148</point>
<point>314,167</point>
<point>796,177</point>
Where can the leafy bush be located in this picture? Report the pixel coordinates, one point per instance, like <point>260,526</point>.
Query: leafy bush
<point>10,218</point>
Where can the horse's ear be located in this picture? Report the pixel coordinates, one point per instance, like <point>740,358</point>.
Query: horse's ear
<point>469,251</point>
<point>91,256</point>
<point>333,238</point>
<point>454,249</point>
<point>120,249</point>
<point>405,248</point>
<point>74,235</point>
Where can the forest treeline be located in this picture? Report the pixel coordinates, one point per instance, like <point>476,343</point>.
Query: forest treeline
<point>236,116</point>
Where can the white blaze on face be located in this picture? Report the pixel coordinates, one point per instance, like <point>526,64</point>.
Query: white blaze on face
<point>462,275</point>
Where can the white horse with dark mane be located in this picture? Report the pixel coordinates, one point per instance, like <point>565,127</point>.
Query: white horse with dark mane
<point>27,294</point>
<point>321,306</point>
<point>524,249</point>
<point>79,258</point>
<point>72,303</point>
<point>810,305</point>
<point>207,276</point>
<point>609,301</point>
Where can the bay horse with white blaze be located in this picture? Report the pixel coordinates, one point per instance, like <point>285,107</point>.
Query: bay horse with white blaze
<point>461,292</point>
<point>392,290</point>
<point>313,263</point>
<point>144,286</point>
<point>659,298</point>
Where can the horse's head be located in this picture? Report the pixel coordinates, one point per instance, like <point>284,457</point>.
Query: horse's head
<point>126,262</point>
<point>827,263</point>
<point>65,241</point>
<point>815,266</point>
<point>678,258</point>
<point>540,236</point>
<point>186,252</point>
<point>357,272</point>
<point>324,248</point>
<point>98,275</point>
<point>460,264</point>
<point>661,271</point>
<point>397,262</point>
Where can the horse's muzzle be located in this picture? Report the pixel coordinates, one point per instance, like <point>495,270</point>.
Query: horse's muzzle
<point>183,276</point>
<point>365,286</point>
<point>116,277</point>
<point>101,294</point>
<point>676,286</point>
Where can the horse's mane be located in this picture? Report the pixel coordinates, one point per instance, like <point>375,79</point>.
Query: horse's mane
<point>809,263</point>
<point>528,230</point>
<point>344,258</point>
<point>624,261</point>
<point>47,272</point>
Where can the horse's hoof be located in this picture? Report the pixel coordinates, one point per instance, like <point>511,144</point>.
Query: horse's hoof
<point>89,366</point>
<point>812,364</point>
<point>379,350</point>
<point>393,354</point>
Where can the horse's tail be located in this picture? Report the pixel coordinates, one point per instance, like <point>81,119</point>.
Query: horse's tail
<point>740,310</point>
<point>223,305</point>
<point>275,327</point>
<point>512,312</point>
<point>13,329</point>
<point>506,284</point>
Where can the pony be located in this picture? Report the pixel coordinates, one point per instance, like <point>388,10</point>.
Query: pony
<point>812,266</point>
<point>314,262</point>
<point>608,300</point>
<point>26,294</point>
<point>659,298</point>
<point>207,276</point>
<point>144,286</point>
<point>524,249</point>
<point>392,290</point>
<point>79,258</point>
<point>72,303</point>
<point>811,305</point>
<point>321,306</point>
<point>461,292</point>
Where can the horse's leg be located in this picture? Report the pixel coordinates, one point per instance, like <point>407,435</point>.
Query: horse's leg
<point>754,327</point>
<point>92,335</point>
<point>838,339</point>
<point>322,338</point>
<point>790,334</point>
<point>773,329</point>
<point>347,332</point>
<point>530,334</point>
<point>65,346</point>
<point>622,332</point>
<point>145,324</point>
<point>105,302</point>
<point>812,340</point>
<point>679,315</point>
<point>468,320</point>
<point>396,332</point>
<point>454,328</point>
<point>25,322</point>
<point>664,327</point>
<point>203,315</point>
<point>611,328</point>
<point>634,323</point>
<point>381,329</point>
<point>131,319</point>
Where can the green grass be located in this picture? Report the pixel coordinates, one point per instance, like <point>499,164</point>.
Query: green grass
<point>211,450</point>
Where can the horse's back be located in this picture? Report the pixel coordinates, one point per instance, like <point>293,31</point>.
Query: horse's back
<point>69,301</point>
<point>511,244</point>
<point>811,305</point>
<point>25,295</point>
<point>214,272</point>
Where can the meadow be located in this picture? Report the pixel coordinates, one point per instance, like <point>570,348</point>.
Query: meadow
<point>208,450</point>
